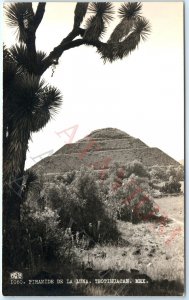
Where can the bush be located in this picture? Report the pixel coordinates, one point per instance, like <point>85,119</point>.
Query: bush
<point>42,239</point>
<point>171,187</point>
<point>116,170</point>
<point>171,172</point>
<point>52,196</point>
<point>121,172</point>
<point>59,177</point>
<point>158,173</point>
<point>69,177</point>
<point>137,168</point>
<point>82,208</point>
<point>180,173</point>
<point>176,172</point>
<point>131,201</point>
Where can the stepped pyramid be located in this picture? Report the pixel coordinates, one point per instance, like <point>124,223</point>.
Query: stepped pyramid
<point>101,149</point>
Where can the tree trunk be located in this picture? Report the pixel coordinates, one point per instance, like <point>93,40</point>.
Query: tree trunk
<point>12,200</point>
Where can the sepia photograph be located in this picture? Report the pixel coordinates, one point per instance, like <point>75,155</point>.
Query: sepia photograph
<point>93,149</point>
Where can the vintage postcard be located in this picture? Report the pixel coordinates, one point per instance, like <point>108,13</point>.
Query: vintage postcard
<point>93,149</point>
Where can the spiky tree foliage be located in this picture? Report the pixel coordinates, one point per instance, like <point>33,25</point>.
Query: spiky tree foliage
<point>19,54</point>
<point>20,16</point>
<point>31,184</point>
<point>29,103</point>
<point>80,12</point>
<point>96,24</point>
<point>128,32</point>
<point>104,10</point>
<point>95,28</point>
<point>130,10</point>
<point>128,13</point>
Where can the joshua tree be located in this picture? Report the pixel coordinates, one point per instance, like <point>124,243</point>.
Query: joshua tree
<point>29,103</point>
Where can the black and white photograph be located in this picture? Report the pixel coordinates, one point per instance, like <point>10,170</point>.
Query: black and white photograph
<point>93,149</point>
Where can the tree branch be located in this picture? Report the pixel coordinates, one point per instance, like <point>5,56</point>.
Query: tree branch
<point>57,51</point>
<point>67,43</point>
<point>39,14</point>
<point>30,35</point>
<point>73,34</point>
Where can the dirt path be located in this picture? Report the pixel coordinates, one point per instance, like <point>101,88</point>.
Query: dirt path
<point>178,222</point>
<point>173,207</point>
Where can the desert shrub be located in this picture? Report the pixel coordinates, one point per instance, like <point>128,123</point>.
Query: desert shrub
<point>102,174</point>
<point>121,172</point>
<point>171,172</point>
<point>142,182</point>
<point>153,182</point>
<point>52,197</point>
<point>43,241</point>
<point>171,187</point>
<point>45,245</point>
<point>116,170</point>
<point>82,208</point>
<point>66,178</point>
<point>137,168</point>
<point>59,177</point>
<point>69,177</point>
<point>176,172</point>
<point>158,174</point>
<point>180,173</point>
<point>132,201</point>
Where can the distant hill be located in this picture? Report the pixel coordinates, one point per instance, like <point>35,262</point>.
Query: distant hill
<point>100,149</point>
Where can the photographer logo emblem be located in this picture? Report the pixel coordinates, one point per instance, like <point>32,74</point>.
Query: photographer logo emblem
<point>16,275</point>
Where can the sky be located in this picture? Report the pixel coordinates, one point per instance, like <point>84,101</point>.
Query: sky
<point>143,94</point>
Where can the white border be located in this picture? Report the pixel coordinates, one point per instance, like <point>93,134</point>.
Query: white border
<point>186,20</point>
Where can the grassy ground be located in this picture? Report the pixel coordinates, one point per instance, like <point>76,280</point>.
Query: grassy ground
<point>173,207</point>
<point>156,250</point>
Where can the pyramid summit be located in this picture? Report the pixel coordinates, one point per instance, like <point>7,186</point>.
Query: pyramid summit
<point>101,149</point>
<point>108,133</point>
